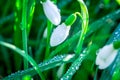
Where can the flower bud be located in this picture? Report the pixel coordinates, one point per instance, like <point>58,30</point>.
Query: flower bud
<point>59,34</point>
<point>106,56</point>
<point>52,12</point>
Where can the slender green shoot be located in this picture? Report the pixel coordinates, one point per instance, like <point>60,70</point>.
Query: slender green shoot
<point>25,56</point>
<point>85,17</point>
<point>49,27</point>
<point>24,27</point>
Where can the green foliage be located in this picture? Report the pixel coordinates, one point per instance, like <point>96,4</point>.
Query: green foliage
<point>27,77</point>
<point>22,25</point>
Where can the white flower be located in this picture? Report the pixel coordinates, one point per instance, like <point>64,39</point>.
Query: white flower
<point>52,12</point>
<point>106,56</point>
<point>59,34</point>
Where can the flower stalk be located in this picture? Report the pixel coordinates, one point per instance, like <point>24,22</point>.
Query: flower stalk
<point>85,19</point>
<point>23,28</point>
<point>49,28</point>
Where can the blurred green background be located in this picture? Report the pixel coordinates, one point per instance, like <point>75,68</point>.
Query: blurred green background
<point>10,31</point>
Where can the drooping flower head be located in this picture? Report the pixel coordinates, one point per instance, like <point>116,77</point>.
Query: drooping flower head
<point>61,32</point>
<point>106,56</point>
<point>52,12</point>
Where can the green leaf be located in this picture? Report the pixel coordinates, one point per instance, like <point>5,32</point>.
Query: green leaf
<point>26,56</point>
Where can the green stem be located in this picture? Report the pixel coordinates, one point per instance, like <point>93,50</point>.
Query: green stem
<point>95,76</point>
<point>25,56</point>
<point>24,33</point>
<point>85,21</point>
<point>17,33</point>
<point>49,27</point>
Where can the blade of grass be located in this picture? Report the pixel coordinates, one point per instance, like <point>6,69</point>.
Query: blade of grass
<point>75,66</point>
<point>30,15</point>
<point>46,65</point>
<point>49,28</point>
<point>17,34</point>
<point>26,56</point>
<point>24,28</point>
<point>85,21</point>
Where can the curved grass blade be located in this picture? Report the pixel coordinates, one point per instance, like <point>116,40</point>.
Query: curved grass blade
<point>48,64</point>
<point>75,66</point>
<point>26,56</point>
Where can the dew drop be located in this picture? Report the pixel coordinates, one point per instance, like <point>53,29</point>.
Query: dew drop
<point>117,12</point>
<point>84,51</point>
<point>116,32</point>
<point>67,77</point>
<point>72,68</point>
<point>61,79</point>
<point>119,29</point>
<point>45,63</point>
<point>115,39</point>
<point>35,68</point>
<point>71,73</point>
<point>76,67</point>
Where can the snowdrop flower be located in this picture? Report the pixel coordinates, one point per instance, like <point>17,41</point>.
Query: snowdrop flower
<point>59,34</point>
<point>52,12</point>
<point>62,31</point>
<point>106,56</point>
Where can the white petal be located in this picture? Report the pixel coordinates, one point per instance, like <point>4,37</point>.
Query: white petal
<point>99,61</point>
<point>101,67</point>
<point>106,56</point>
<point>110,59</point>
<point>59,34</point>
<point>52,12</point>
<point>105,51</point>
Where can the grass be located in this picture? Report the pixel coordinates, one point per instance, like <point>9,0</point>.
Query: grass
<point>22,24</point>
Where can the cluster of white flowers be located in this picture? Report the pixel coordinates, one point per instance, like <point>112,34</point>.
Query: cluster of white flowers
<point>106,56</point>
<point>61,32</point>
